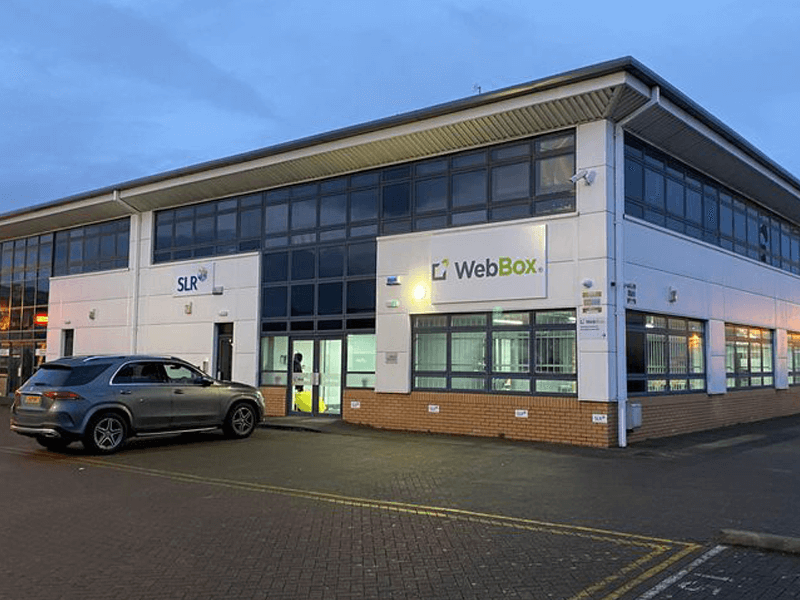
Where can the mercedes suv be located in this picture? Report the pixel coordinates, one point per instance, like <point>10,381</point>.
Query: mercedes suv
<point>104,400</point>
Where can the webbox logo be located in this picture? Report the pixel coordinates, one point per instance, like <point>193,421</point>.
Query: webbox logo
<point>503,266</point>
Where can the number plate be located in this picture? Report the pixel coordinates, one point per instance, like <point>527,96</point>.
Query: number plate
<point>32,400</point>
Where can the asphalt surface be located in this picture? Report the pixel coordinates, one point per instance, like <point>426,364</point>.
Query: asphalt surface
<point>323,509</point>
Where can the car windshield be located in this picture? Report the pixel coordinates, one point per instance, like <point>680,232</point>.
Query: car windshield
<point>54,375</point>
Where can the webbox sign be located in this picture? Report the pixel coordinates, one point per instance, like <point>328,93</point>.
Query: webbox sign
<point>499,263</point>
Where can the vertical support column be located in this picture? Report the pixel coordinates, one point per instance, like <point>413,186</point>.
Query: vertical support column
<point>594,253</point>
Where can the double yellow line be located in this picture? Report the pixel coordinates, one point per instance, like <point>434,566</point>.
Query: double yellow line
<point>659,554</point>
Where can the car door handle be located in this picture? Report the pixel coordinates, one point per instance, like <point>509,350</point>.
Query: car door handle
<point>125,392</point>
<point>178,392</point>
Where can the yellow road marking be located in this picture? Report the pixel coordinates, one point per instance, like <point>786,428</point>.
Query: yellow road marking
<point>658,547</point>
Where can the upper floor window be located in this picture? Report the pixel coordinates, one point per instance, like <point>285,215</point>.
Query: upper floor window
<point>92,248</point>
<point>666,192</point>
<point>664,354</point>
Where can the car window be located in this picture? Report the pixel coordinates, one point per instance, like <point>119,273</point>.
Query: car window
<point>177,373</point>
<point>62,375</point>
<point>140,372</point>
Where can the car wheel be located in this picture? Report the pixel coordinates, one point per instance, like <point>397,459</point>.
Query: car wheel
<point>241,421</point>
<point>53,444</point>
<point>105,434</point>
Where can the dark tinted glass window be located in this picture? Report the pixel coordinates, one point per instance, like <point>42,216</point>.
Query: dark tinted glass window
<point>273,302</point>
<point>333,210</point>
<point>397,200</point>
<point>276,266</point>
<point>431,194</point>
<point>361,296</point>
<point>331,261</point>
<point>304,214</point>
<point>302,264</point>
<point>361,259</point>
<point>364,205</point>
<point>302,300</point>
<point>469,188</point>
<point>277,218</point>
<point>329,299</point>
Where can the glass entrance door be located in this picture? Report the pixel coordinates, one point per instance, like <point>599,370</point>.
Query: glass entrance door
<point>316,385</point>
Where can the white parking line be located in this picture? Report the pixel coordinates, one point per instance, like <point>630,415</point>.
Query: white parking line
<point>653,592</point>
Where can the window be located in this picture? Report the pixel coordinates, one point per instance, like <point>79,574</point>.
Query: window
<point>361,355</point>
<point>512,352</point>
<point>664,191</point>
<point>748,357</point>
<point>274,360</point>
<point>793,341</point>
<point>665,355</point>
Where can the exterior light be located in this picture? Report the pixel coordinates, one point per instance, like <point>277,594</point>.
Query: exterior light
<point>420,291</point>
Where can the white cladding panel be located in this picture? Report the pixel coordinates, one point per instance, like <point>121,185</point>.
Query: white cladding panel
<point>99,307</point>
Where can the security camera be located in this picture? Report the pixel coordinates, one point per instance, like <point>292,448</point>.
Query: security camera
<point>587,176</point>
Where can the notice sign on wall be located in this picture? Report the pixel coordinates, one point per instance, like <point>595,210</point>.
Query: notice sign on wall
<point>592,323</point>
<point>498,263</point>
<point>193,280</point>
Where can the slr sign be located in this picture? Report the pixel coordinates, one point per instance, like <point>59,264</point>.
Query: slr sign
<point>193,280</point>
<point>498,263</point>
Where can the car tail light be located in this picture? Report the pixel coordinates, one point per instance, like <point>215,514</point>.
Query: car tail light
<point>61,395</point>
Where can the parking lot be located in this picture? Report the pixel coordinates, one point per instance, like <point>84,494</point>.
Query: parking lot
<point>357,513</point>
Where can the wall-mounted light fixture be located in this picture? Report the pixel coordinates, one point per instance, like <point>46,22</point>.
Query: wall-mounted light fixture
<point>217,290</point>
<point>587,283</point>
<point>93,314</point>
<point>672,295</point>
<point>392,280</point>
<point>586,175</point>
<point>420,291</point>
<point>187,308</point>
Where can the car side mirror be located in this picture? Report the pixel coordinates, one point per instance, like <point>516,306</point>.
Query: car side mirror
<point>204,381</point>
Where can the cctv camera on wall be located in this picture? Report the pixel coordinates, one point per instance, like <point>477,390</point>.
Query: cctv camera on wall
<point>587,176</point>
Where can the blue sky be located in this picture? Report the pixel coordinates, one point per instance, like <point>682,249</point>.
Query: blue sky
<point>97,92</point>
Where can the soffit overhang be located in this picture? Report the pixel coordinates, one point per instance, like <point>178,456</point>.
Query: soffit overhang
<point>669,128</point>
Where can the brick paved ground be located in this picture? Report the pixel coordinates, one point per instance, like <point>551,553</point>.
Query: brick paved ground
<point>300,515</point>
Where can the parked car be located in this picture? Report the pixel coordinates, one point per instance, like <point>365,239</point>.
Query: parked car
<point>105,400</point>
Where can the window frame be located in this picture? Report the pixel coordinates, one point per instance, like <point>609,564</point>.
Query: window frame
<point>733,339</point>
<point>640,323</point>
<point>518,382</point>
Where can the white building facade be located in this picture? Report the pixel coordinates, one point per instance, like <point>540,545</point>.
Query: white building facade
<point>588,259</point>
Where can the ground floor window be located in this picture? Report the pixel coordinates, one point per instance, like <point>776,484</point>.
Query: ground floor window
<point>748,356</point>
<point>514,352</point>
<point>664,354</point>
<point>793,342</point>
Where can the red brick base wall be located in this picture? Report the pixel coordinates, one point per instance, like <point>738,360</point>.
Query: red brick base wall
<point>275,399</point>
<point>663,416</point>
<point>560,420</point>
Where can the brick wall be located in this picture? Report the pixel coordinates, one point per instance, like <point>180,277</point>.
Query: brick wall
<point>560,420</point>
<point>275,399</point>
<point>664,416</point>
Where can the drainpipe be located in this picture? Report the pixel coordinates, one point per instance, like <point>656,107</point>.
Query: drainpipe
<point>133,265</point>
<point>619,271</point>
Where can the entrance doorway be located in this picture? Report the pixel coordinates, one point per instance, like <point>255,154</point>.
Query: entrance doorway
<point>316,384</point>
<point>224,352</point>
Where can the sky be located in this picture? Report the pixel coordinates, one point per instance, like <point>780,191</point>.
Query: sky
<point>98,92</point>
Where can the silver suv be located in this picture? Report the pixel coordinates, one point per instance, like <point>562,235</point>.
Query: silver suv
<point>104,400</point>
